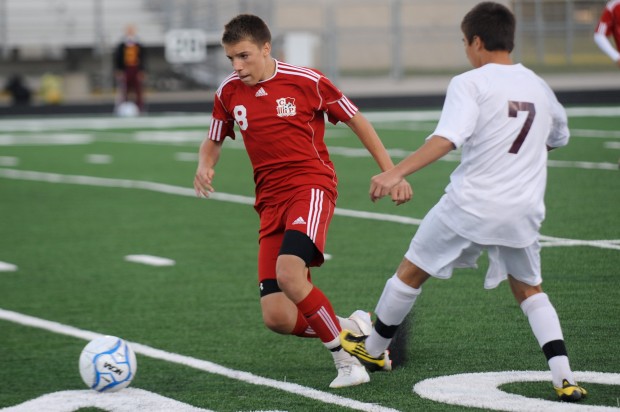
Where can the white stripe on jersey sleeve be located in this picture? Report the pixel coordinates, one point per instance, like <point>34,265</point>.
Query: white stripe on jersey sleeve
<point>215,130</point>
<point>348,107</point>
<point>602,29</point>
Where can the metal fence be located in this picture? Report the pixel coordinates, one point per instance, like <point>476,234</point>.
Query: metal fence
<point>340,37</point>
<point>397,37</point>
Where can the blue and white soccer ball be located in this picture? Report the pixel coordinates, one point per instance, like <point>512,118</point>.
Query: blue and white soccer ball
<point>107,364</point>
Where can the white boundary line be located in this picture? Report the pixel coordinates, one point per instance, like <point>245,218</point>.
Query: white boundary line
<point>546,241</point>
<point>482,391</point>
<point>47,124</point>
<point>199,364</point>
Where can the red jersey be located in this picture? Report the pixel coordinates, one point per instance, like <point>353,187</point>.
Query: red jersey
<point>282,121</point>
<point>609,24</point>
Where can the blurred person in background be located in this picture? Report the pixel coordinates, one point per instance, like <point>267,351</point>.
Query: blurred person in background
<point>609,25</point>
<point>20,93</point>
<point>130,69</point>
<point>51,88</point>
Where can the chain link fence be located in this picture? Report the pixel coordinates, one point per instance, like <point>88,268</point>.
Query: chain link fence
<point>395,38</point>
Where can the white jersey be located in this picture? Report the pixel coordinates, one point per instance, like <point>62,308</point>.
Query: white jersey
<point>503,117</point>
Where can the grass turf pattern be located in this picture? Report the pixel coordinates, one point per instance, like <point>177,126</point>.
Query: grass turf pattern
<point>69,242</point>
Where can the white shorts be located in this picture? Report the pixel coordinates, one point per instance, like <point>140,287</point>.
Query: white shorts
<point>438,250</point>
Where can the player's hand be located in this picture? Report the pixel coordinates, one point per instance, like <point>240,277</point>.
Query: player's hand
<point>203,181</point>
<point>401,193</point>
<point>381,185</point>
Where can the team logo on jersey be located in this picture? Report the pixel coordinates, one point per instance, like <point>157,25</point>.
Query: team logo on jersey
<point>286,107</point>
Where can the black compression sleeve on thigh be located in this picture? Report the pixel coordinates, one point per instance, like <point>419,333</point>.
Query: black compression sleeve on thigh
<point>384,330</point>
<point>554,348</point>
<point>268,286</point>
<point>298,244</point>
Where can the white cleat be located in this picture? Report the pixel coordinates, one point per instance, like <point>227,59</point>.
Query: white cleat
<point>362,320</point>
<point>350,373</point>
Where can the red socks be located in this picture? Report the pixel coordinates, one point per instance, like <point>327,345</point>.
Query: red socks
<point>319,315</point>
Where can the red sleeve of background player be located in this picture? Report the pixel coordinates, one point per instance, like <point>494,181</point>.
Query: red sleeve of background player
<point>605,23</point>
<point>222,124</point>
<point>337,106</point>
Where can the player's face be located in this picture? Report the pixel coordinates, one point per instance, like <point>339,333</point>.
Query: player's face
<point>249,61</point>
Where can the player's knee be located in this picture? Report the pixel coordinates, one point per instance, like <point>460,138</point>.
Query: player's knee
<point>290,272</point>
<point>411,274</point>
<point>277,321</point>
<point>522,290</point>
<point>295,256</point>
<point>277,310</point>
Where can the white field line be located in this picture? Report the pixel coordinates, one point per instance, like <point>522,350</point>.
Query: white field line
<point>484,391</point>
<point>611,145</point>
<point>357,152</point>
<point>47,124</point>
<point>605,134</point>
<point>199,364</point>
<point>150,260</point>
<point>247,200</point>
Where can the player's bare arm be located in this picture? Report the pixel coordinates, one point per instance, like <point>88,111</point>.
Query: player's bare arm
<point>434,148</point>
<point>209,155</point>
<point>401,192</point>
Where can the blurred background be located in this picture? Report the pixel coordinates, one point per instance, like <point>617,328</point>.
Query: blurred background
<point>369,48</point>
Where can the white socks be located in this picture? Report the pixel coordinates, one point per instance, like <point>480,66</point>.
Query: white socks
<point>394,304</point>
<point>546,327</point>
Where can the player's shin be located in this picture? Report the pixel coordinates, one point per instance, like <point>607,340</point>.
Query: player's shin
<point>546,327</point>
<point>320,316</point>
<point>394,304</point>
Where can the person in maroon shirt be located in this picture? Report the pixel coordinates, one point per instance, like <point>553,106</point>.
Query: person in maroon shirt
<point>130,68</point>
<point>280,110</point>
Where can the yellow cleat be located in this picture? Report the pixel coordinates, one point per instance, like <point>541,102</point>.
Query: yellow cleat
<point>354,344</point>
<point>570,392</point>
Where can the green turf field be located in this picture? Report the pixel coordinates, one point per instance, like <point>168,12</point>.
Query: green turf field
<point>78,195</point>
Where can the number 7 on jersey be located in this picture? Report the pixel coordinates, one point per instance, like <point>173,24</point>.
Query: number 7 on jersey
<point>513,109</point>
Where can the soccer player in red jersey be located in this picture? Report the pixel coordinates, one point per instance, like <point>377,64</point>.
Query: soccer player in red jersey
<point>609,25</point>
<point>280,110</point>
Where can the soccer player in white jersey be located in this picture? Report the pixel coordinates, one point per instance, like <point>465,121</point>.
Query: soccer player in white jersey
<point>504,118</point>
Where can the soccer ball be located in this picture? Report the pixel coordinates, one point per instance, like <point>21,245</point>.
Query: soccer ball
<point>127,109</point>
<point>107,364</point>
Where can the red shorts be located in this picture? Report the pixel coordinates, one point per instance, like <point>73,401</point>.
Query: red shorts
<point>308,211</point>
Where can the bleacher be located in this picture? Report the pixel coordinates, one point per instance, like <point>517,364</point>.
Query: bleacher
<point>40,25</point>
<point>388,40</point>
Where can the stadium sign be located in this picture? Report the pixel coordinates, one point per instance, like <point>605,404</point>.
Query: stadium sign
<point>186,46</point>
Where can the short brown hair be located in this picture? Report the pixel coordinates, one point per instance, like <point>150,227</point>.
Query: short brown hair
<point>493,23</point>
<point>246,27</point>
